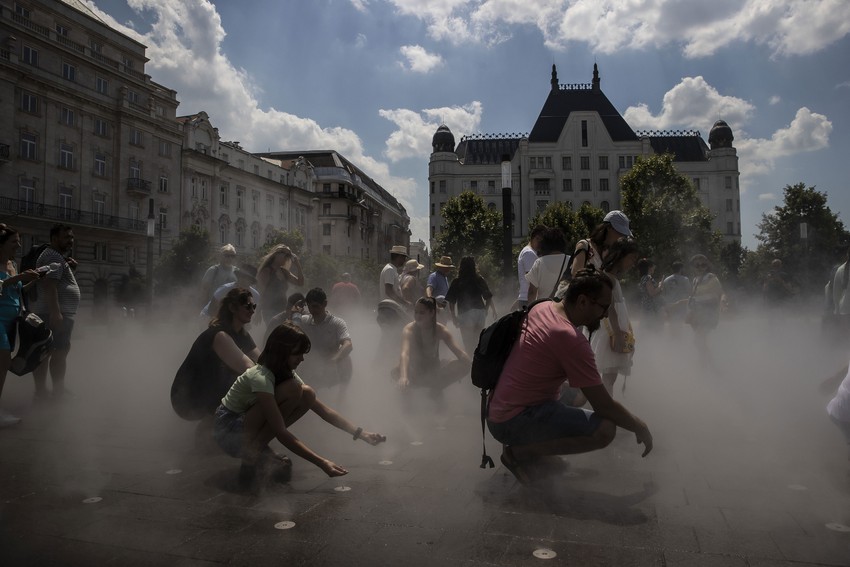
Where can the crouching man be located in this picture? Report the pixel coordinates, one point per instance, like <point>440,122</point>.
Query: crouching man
<point>525,413</point>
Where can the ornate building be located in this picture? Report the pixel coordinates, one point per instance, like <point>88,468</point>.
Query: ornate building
<point>86,139</point>
<point>576,153</point>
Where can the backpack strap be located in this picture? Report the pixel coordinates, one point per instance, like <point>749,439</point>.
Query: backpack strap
<point>486,460</point>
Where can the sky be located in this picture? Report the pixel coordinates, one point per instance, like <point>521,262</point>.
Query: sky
<point>373,79</point>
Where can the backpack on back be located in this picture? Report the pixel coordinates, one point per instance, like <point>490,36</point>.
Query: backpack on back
<point>488,360</point>
<point>29,262</point>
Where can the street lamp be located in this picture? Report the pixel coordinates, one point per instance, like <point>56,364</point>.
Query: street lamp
<point>150,235</point>
<point>506,216</point>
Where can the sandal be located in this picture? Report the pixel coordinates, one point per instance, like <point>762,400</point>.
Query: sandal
<point>514,467</point>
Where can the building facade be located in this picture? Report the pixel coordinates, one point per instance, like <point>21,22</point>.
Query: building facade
<point>577,151</point>
<point>353,216</point>
<point>86,139</point>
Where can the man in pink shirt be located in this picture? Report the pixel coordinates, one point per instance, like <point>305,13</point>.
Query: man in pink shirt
<point>525,413</point>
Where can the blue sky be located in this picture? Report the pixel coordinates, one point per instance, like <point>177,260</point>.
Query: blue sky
<point>373,79</point>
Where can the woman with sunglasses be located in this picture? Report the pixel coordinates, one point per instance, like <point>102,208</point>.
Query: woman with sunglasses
<point>220,354</point>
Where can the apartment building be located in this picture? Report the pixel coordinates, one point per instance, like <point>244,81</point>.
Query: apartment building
<point>86,139</point>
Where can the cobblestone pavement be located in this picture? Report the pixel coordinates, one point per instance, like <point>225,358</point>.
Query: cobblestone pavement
<point>747,471</point>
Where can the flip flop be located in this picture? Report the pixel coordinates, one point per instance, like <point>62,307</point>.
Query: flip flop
<point>514,467</point>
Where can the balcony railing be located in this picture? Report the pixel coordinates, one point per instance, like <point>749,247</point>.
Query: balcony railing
<point>103,59</point>
<point>27,23</point>
<point>20,207</point>
<point>71,44</point>
<point>136,185</point>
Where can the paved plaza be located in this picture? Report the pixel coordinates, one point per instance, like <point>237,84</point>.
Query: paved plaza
<point>746,470</point>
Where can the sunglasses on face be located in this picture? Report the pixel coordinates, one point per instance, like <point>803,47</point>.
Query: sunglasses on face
<point>250,306</point>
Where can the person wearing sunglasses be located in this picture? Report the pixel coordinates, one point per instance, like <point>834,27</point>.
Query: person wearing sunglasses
<point>219,354</point>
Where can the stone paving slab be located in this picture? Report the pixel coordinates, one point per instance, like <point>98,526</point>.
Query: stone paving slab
<point>708,495</point>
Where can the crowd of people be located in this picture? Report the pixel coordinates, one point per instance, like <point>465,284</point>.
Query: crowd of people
<point>555,395</point>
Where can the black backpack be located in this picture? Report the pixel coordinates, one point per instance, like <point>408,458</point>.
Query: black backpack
<point>488,360</point>
<point>35,340</point>
<point>29,262</point>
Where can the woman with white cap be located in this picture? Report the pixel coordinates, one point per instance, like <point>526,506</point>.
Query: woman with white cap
<point>592,251</point>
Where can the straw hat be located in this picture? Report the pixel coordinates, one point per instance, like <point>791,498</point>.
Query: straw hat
<point>411,266</point>
<point>445,262</point>
<point>399,249</point>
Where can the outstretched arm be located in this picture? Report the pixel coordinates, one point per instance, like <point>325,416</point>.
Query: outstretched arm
<point>450,341</point>
<point>337,420</point>
<point>608,408</point>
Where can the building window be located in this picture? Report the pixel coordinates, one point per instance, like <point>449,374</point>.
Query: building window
<point>100,165</point>
<point>442,186</point>
<point>163,184</point>
<point>203,189</point>
<point>728,205</point>
<point>255,202</point>
<point>96,46</point>
<point>603,162</point>
<point>101,252</point>
<point>256,169</point>
<point>629,162</point>
<point>193,188</point>
<point>240,199</point>
<point>29,56</point>
<point>491,186</point>
<point>696,183</point>
<point>29,146</point>
<point>133,97</point>
<point>326,229</point>
<point>240,235</point>
<point>432,187</point>
<point>284,210</point>
<point>566,163</point>
<point>69,72</point>
<point>326,209</point>
<point>603,184</point>
<point>135,170</point>
<point>101,127</point>
<point>133,210</point>
<point>29,102</point>
<point>66,156</point>
<point>585,184</point>
<point>730,228</point>
<point>541,186</point>
<point>728,181</point>
<point>255,238</point>
<point>164,148</point>
<point>222,233</point>
<point>163,219</point>
<point>22,10</point>
<point>101,85</point>
<point>66,198</point>
<point>135,137</point>
<point>269,207</point>
<point>326,188</point>
<point>222,195</point>
<point>27,194</point>
<point>98,209</point>
<point>567,184</point>
<point>605,206</point>
<point>585,163</point>
<point>738,205</point>
<point>61,30</point>
<point>67,116</point>
<point>584,133</point>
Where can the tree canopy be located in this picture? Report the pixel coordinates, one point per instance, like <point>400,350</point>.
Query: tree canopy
<point>184,263</point>
<point>469,228</point>
<point>665,212</point>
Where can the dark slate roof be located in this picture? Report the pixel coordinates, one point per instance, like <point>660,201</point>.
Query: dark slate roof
<point>483,150</point>
<point>688,147</point>
<point>561,102</point>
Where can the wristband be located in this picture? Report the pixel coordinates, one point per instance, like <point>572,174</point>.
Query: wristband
<point>357,433</point>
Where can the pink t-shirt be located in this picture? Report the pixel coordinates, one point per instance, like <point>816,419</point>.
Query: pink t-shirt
<point>550,350</point>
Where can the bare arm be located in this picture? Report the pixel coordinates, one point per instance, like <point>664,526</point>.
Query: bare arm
<point>579,258</point>
<point>229,353</point>
<point>450,341</point>
<point>336,419</point>
<point>404,358</point>
<point>608,408</point>
<point>271,413</point>
<point>345,348</point>
<point>532,292</point>
<point>297,279</point>
<point>51,290</point>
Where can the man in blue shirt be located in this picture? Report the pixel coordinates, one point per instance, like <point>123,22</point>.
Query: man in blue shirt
<point>438,280</point>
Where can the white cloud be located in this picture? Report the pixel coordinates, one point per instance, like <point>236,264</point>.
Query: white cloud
<point>788,27</point>
<point>775,99</point>
<point>844,85</point>
<point>184,48</point>
<point>693,103</point>
<point>360,5</point>
<point>361,41</point>
<point>418,59</point>
<point>415,130</point>
<point>767,197</point>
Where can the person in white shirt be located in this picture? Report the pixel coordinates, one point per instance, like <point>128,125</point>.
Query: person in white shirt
<point>547,270</point>
<point>838,408</point>
<point>390,286</point>
<point>524,262</point>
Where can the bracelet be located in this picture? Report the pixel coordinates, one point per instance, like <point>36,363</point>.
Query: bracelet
<point>357,433</point>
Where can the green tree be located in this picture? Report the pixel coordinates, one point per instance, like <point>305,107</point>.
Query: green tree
<point>183,265</point>
<point>560,215</point>
<point>665,212</point>
<point>804,233</point>
<point>469,228</point>
<point>590,218</point>
<point>294,239</point>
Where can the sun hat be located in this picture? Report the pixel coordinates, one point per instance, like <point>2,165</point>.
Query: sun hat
<point>619,222</point>
<point>445,262</point>
<point>411,266</point>
<point>399,249</point>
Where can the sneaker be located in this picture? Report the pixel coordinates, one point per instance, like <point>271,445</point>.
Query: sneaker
<point>8,420</point>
